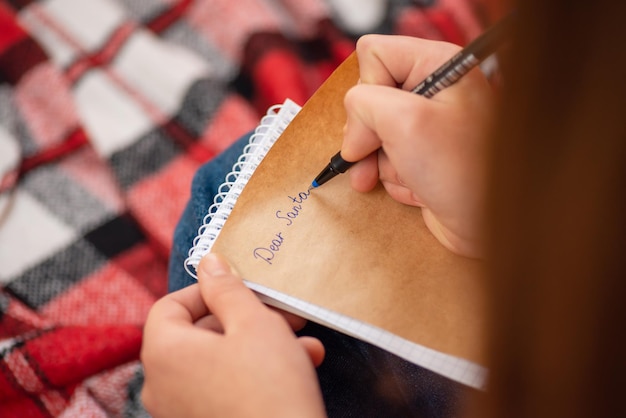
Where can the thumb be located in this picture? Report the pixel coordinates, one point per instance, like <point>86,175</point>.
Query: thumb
<point>224,293</point>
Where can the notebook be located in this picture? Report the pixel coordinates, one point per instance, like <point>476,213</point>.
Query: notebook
<point>360,263</point>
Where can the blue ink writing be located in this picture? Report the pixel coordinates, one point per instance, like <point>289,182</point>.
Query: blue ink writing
<point>268,253</point>
<point>295,209</point>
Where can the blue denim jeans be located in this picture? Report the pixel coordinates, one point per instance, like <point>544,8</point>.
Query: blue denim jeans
<point>356,378</point>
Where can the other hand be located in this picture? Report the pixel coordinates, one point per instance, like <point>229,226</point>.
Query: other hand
<point>213,349</point>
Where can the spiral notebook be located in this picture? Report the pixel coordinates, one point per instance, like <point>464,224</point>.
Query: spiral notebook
<point>266,133</point>
<point>359,263</point>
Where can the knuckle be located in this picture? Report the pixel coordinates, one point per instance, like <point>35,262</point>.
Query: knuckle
<point>156,344</point>
<point>348,98</point>
<point>158,306</point>
<point>355,98</point>
<point>363,44</point>
<point>368,43</point>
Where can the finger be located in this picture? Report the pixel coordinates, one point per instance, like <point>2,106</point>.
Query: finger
<point>364,174</point>
<point>211,323</point>
<point>171,320</point>
<point>401,194</point>
<point>394,185</point>
<point>400,60</point>
<point>314,348</point>
<point>184,306</point>
<point>387,172</point>
<point>226,295</point>
<point>295,322</point>
<point>375,114</point>
<point>359,139</point>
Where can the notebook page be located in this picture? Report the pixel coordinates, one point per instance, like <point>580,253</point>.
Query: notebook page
<point>361,255</point>
<point>266,133</point>
<point>455,368</point>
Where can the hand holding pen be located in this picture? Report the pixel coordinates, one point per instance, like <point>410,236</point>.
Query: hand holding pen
<point>426,152</point>
<point>444,76</point>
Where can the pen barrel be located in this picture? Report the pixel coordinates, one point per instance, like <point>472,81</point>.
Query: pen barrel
<point>466,59</point>
<point>338,164</point>
<point>446,75</point>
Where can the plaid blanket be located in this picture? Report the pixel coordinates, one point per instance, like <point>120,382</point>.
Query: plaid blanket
<point>107,108</point>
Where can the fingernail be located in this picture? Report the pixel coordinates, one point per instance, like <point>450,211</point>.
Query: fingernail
<point>216,265</point>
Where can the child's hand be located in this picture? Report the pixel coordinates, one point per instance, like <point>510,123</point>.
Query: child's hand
<point>432,151</point>
<point>213,349</point>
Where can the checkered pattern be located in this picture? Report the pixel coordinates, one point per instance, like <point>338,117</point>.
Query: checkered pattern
<point>107,108</point>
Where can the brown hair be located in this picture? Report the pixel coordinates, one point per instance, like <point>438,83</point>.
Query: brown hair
<point>557,217</point>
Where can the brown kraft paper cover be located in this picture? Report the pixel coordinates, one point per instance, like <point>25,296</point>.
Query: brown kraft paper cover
<point>360,254</point>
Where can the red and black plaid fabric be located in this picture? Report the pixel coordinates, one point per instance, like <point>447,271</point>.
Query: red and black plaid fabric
<point>107,108</point>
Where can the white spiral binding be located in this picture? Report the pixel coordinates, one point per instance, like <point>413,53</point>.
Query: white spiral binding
<point>266,133</point>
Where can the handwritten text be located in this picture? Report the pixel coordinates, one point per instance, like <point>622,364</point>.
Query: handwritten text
<point>288,217</point>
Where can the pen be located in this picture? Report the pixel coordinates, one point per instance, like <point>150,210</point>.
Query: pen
<point>446,75</point>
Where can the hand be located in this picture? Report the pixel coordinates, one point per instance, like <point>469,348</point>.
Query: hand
<point>426,152</point>
<point>213,349</point>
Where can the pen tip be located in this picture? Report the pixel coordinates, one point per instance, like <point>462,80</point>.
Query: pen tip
<point>314,184</point>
